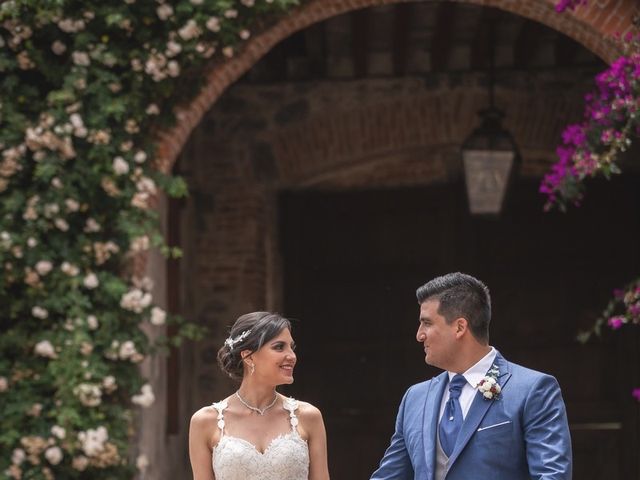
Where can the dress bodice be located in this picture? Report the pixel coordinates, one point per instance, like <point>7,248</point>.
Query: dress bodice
<point>285,458</point>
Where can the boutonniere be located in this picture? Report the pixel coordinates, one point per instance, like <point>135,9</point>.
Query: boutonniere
<point>488,386</point>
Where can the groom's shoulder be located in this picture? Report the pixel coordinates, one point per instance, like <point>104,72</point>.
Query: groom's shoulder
<point>422,387</point>
<point>528,375</point>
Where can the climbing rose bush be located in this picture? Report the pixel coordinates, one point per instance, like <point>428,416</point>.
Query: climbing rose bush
<point>84,86</point>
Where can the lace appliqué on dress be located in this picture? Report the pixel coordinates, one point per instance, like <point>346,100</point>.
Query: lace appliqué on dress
<point>286,457</point>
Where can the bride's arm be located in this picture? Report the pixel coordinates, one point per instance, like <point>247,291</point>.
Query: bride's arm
<point>317,440</point>
<point>201,431</point>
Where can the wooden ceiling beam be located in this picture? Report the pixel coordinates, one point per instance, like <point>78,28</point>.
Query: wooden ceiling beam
<point>566,50</point>
<point>360,23</point>
<point>316,40</point>
<point>402,14</point>
<point>442,37</point>
<point>526,43</point>
<point>479,54</point>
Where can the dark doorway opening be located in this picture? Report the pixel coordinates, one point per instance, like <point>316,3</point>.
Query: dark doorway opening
<point>352,262</point>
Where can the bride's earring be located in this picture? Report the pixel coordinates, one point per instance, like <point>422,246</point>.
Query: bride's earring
<point>253,368</point>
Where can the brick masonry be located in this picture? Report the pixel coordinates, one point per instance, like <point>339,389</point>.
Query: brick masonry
<point>593,27</point>
<point>239,145</point>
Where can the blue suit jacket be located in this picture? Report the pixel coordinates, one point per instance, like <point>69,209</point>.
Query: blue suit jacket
<point>523,434</point>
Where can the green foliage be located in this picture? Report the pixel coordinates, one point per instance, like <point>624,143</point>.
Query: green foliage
<point>83,86</point>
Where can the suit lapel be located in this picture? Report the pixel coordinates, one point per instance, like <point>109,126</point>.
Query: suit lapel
<point>431,414</point>
<point>478,410</point>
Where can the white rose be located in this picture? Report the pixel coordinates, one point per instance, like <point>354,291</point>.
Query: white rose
<point>135,300</point>
<point>173,48</point>
<point>213,24</point>
<point>120,166</point>
<point>140,157</point>
<point>80,463</point>
<point>145,398</point>
<point>81,132</point>
<point>69,269</point>
<point>58,47</point>
<point>91,281</point>
<point>32,242</point>
<point>72,205</point>
<point>76,120</point>
<point>18,456</point>
<point>142,462</point>
<point>147,185</point>
<point>92,322</point>
<point>231,13</point>
<point>43,267</point>
<point>127,349</point>
<point>81,59</point>
<point>189,31</point>
<point>89,395</point>
<point>92,441</point>
<point>50,209</point>
<point>4,384</point>
<point>164,11</point>
<point>152,109</point>
<point>44,348</point>
<point>488,395</point>
<point>140,244</point>
<point>5,240</point>
<point>109,383</point>
<point>61,224</point>
<point>39,312</point>
<point>91,226</point>
<point>173,68</point>
<point>58,431</point>
<point>158,316</point>
<point>53,455</point>
<point>244,34</point>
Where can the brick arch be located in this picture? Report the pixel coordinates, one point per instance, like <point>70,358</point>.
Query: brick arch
<point>411,138</point>
<point>592,26</point>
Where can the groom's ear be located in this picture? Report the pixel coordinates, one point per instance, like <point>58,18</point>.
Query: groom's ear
<point>461,326</point>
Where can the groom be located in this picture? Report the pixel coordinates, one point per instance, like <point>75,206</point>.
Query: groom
<point>484,417</point>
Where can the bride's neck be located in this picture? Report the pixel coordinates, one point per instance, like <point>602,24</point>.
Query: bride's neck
<point>255,394</point>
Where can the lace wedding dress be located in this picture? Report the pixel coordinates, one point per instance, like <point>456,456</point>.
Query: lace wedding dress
<point>286,457</point>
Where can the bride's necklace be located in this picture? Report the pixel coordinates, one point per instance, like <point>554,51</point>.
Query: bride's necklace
<point>260,411</point>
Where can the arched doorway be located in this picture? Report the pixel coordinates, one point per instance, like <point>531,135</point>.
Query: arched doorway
<point>274,152</point>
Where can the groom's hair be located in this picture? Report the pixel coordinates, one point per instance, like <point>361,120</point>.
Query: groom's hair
<point>460,295</point>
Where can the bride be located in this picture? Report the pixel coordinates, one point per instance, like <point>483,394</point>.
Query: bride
<point>257,433</point>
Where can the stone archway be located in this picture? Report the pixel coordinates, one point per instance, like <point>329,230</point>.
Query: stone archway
<point>592,26</point>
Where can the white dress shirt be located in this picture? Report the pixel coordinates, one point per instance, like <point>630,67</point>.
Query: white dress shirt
<point>473,377</point>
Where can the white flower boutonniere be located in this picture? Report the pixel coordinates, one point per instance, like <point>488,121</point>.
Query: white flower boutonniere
<point>488,386</point>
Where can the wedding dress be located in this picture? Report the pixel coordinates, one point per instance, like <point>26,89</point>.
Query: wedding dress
<point>286,457</point>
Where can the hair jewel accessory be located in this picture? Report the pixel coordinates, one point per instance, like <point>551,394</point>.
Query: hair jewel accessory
<point>230,342</point>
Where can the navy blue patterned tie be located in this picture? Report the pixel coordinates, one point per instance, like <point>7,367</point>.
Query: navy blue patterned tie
<point>452,417</point>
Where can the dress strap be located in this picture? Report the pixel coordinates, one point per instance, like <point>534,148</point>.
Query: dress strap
<point>291,405</point>
<point>220,407</point>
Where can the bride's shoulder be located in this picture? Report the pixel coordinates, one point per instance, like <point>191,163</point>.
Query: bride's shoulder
<point>208,415</point>
<point>307,411</point>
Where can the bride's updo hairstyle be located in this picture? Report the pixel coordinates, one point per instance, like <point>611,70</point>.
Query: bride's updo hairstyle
<point>250,332</point>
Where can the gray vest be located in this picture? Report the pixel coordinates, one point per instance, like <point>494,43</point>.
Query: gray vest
<point>442,461</point>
